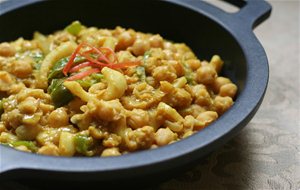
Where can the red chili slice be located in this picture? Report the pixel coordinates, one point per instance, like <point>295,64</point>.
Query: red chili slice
<point>83,74</point>
<point>82,65</point>
<point>71,60</point>
<point>89,58</point>
<point>110,52</point>
<point>125,64</point>
<point>98,63</point>
<point>101,56</point>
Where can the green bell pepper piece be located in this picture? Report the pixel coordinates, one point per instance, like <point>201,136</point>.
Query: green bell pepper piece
<point>60,95</point>
<point>141,73</point>
<point>83,144</point>
<point>93,79</point>
<point>38,57</point>
<point>97,76</point>
<point>29,144</point>
<point>74,28</point>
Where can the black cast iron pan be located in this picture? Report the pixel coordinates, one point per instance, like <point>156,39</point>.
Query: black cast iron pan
<point>205,28</point>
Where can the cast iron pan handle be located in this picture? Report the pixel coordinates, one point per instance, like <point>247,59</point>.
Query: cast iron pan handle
<point>251,13</point>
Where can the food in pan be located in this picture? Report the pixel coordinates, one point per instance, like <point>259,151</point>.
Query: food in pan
<point>84,91</point>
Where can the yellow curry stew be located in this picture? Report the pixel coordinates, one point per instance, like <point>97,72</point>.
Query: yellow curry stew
<point>85,91</point>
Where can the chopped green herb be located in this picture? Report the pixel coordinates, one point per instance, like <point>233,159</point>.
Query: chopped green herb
<point>141,73</point>
<point>147,54</point>
<point>189,74</point>
<point>38,57</point>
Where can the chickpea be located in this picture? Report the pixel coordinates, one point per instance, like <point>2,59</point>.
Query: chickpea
<point>15,88</point>
<point>46,108</point>
<point>218,83</point>
<point>36,93</point>
<point>12,118</point>
<point>151,81</point>
<point>204,63</point>
<point>49,149</point>
<point>189,55</point>
<point>125,40</point>
<point>23,148</point>
<point>169,55</point>
<point>22,68</point>
<point>228,90</point>
<point>111,152</point>
<point>6,81</point>
<point>166,87</point>
<point>177,66</point>
<point>194,64</point>
<point>2,128</point>
<point>7,50</point>
<point>217,63</point>
<point>156,41</point>
<point>58,118</point>
<point>6,137</point>
<point>166,72</point>
<point>164,136</point>
<point>222,104</point>
<point>193,109</point>
<point>28,106</point>
<point>126,56</point>
<point>27,132</point>
<point>140,46</point>
<point>178,98</point>
<point>206,74</point>
<point>48,136</point>
<point>169,46</point>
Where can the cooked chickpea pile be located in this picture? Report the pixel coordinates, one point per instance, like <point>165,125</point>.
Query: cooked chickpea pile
<point>169,96</point>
